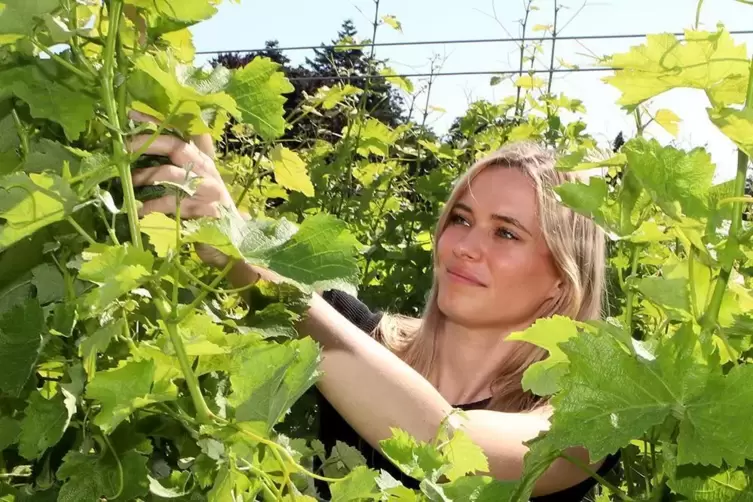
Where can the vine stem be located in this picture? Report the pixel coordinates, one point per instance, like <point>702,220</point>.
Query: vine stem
<point>616,491</point>
<point>22,134</point>
<point>629,293</point>
<point>81,230</point>
<point>62,62</point>
<point>187,310</point>
<point>268,481</point>
<point>711,316</point>
<point>120,153</point>
<point>204,414</point>
<point>206,287</point>
<point>120,468</point>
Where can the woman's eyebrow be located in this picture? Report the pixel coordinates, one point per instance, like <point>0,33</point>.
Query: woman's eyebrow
<point>501,217</point>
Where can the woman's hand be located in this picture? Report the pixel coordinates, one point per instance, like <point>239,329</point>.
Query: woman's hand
<point>210,195</point>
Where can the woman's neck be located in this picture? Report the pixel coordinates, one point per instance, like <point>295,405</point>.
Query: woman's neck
<point>468,360</point>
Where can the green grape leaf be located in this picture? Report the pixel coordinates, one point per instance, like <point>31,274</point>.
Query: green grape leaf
<point>10,429</point>
<point>162,232</point>
<point>201,336</point>
<point>591,200</point>
<point>737,125</point>
<point>542,378</point>
<point>728,400</point>
<point>608,396</point>
<point>48,282</point>
<point>188,11</point>
<point>678,181</point>
<point>21,330</point>
<point>318,254</point>
<point>258,89</point>
<point>51,156</point>
<point>50,99</point>
<point>705,483</point>
<point>331,97</point>
<point>672,294</point>
<point>708,61</point>
<point>359,484</point>
<point>478,489</point>
<point>29,202</point>
<point>269,378</point>
<point>44,422</point>
<point>230,485</point>
<point>125,389</point>
<point>116,270</point>
<point>18,17</point>
<point>290,171</point>
<point>374,137</point>
<point>417,459</point>
<point>322,250</point>
<point>91,478</point>
<point>169,88</point>
<point>343,459</point>
<point>464,456</point>
<point>668,120</point>
<point>97,343</point>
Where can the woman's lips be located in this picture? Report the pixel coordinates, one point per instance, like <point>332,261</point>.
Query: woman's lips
<point>464,277</point>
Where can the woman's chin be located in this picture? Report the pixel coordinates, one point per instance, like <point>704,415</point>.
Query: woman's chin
<point>459,308</point>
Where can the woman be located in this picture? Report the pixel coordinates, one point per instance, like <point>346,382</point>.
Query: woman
<point>507,253</point>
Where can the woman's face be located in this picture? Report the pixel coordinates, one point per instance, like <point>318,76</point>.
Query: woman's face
<point>494,267</point>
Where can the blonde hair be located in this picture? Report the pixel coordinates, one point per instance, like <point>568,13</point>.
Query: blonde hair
<point>577,246</point>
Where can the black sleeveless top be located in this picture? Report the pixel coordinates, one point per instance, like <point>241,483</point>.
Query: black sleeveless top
<point>333,427</point>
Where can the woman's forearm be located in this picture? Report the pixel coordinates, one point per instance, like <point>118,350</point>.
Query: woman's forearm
<point>367,384</point>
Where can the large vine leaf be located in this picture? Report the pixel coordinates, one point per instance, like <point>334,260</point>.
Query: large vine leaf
<point>72,108</point>
<point>29,202</point>
<point>320,253</point>
<point>290,171</point>
<point>359,484</point>
<point>116,270</point>
<point>706,484</point>
<point>542,378</point>
<point>121,391</point>
<point>678,181</point>
<point>169,89</point>
<point>44,422</point>
<point>737,125</point>
<point>726,400</point>
<point>708,61</point>
<point>258,90</point>
<point>417,459</point>
<point>91,478</point>
<point>186,10</point>
<point>18,17</point>
<point>269,378</point>
<point>21,330</point>
<point>610,396</point>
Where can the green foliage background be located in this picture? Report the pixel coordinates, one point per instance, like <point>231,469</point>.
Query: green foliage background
<point>131,371</point>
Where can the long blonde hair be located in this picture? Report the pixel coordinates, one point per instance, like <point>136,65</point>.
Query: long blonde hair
<point>577,246</point>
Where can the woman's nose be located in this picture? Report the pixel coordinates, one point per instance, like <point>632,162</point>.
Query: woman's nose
<point>470,246</point>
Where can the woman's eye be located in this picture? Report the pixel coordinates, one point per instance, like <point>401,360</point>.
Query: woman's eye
<point>457,219</point>
<point>506,234</point>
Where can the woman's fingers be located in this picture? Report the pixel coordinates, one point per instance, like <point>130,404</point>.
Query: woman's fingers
<point>189,208</point>
<point>166,205</point>
<point>152,175</point>
<point>180,153</point>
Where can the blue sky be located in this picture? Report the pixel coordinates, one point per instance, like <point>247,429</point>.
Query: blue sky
<point>249,24</point>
